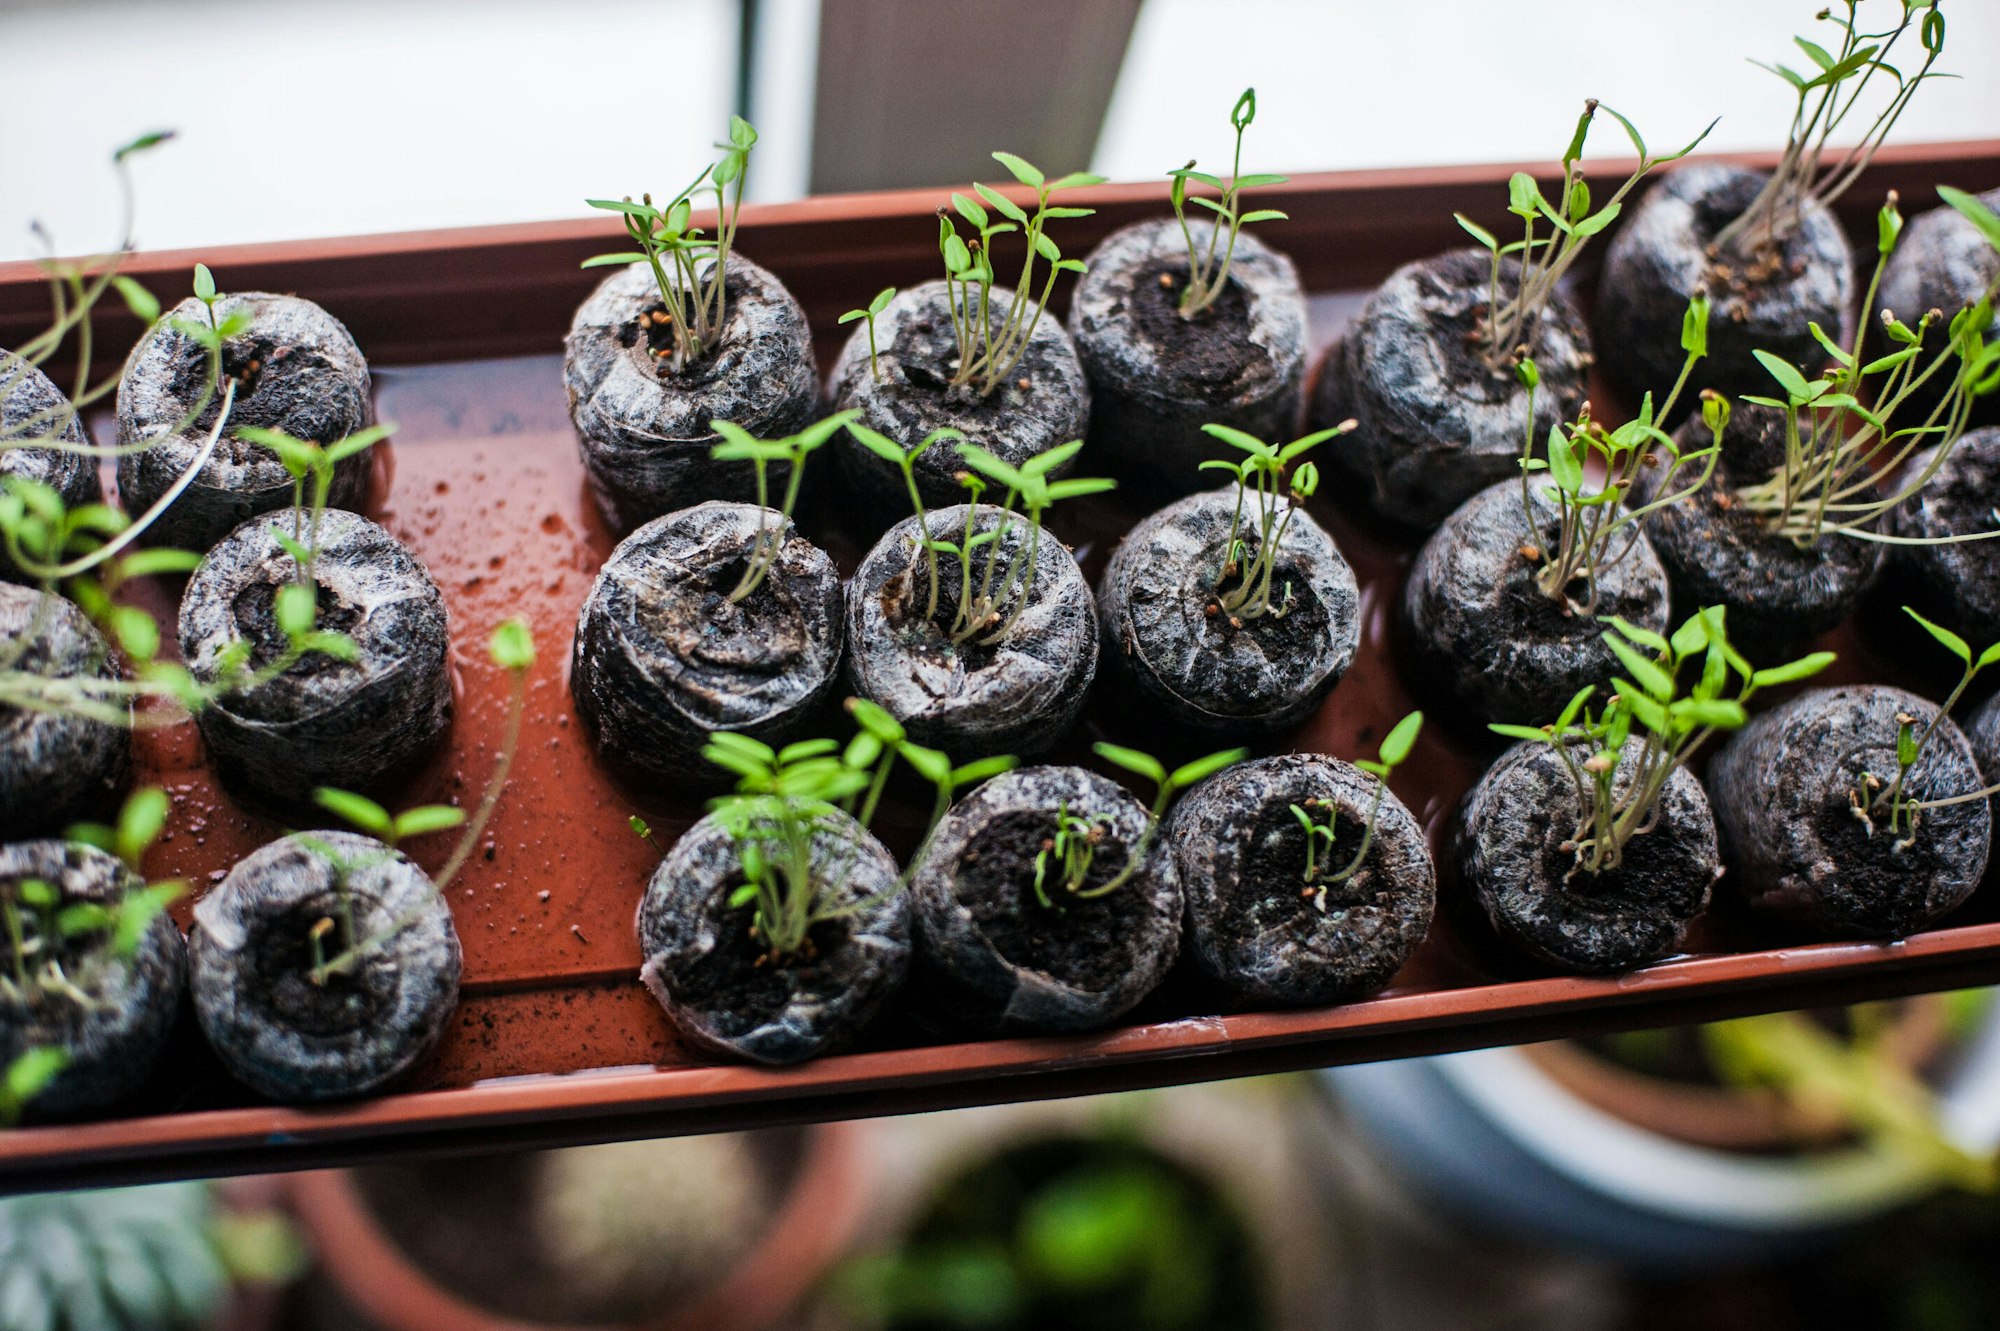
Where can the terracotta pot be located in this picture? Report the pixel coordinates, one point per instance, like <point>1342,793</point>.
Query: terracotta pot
<point>1722,1116</point>
<point>811,1226</point>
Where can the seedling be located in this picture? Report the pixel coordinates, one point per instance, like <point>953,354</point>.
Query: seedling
<point>1618,788</point>
<point>1514,316</point>
<point>874,308</point>
<point>1208,274</point>
<point>738,445</point>
<point>1590,520</point>
<point>512,649</point>
<point>1167,787</point>
<point>694,297</point>
<point>1844,448</point>
<point>1321,838</point>
<point>988,610</point>
<point>1272,491</point>
<point>41,928</point>
<point>27,1077</point>
<point>1824,102</point>
<point>904,460</point>
<point>987,355</point>
<point>1874,797</point>
<point>785,797</point>
<point>311,467</point>
<point>1071,852</point>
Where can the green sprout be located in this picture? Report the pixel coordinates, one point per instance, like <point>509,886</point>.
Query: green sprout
<point>26,1077</point>
<point>1167,787</point>
<point>987,355</point>
<point>695,302</point>
<point>40,927</point>
<point>786,797</point>
<point>1872,796</point>
<point>1589,519</point>
<point>1273,493</point>
<point>1513,317</point>
<point>989,609</point>
<point>873,310</point>
<point>311,466</point>
<point>512,649</point>
<point>1650,709</point>
<point>738,445</point>
<point>1208,274</point>
<point>1845,449</point>
<point>904,460</point>
<point>1321,838</point>
<point>1825,100</point>
<point>1071,851</point>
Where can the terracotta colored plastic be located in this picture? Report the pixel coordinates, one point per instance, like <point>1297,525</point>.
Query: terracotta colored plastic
<point>815,1221</point>
<point>555,1041</point>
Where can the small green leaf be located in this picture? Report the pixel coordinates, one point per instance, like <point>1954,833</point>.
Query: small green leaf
<point>1645,637</point>
<point>1476,231</point>
<point>1952,642</point>
<point>1656,682</point>
<point>204,283</point>
<point>140,823</point>
<point>427,818</point>
<point>876,720</point>
<point>1975,211</point>
<point>358,810</point>
<point>1022,170</point>
<point>743,895</point>
<point>144,305</point>
<point>296,607</point>
<point>1188,774</point>
<point>512,646</point>
<point>1132,760</point>
<point>1396,746</point>
<point>1564,467</point>
<point>1793,671</point>
<point>1527,733</point>
<point>1788,377</point>
<point>930,764</point>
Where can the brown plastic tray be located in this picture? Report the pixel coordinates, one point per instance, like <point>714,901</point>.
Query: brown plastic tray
<point>555,1042</point>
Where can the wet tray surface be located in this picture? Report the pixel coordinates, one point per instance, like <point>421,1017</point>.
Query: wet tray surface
<point>554,1040</point>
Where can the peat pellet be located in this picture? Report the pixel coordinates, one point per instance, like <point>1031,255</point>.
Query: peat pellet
<point>1482,635</point>
<point>977,698</point>
<point>323,721</point>
<point>1173,652</point>
<point>116,1013</point>
<point>45,437</point>
<point>1043,402</point>
<point>663,657</point>
<point>1519,874</point>
<point>296,369</point>
<point>355,1031</point>
<point>1954,582</point>
<point>1157,377</point>
<point>643,426</point>
<point>716,979</point>
<point>56,767</point>
<point>1942,263</point>
<point>1787,788</point>
<point>991,957</point>
<point>1435,423</point>
<point>1256,927</point>
<point>1662,254</point>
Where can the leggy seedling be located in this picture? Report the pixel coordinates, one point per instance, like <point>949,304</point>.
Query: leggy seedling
<point>1844,446</point>
<point>1588,520</point>
<point>738,445</point>
<point>1167,786</point>
<point>989,609</point>
<point>512,648</point>
<point>1208,273</point>
<point>873,309</point>
<point>1872,796</point>
<point>904,460</point>
<point>311,466</point>
<point>1272,491</point>
<point>695,301</point>
<point>1321,838</point>
<point>39,926</point>
<point>1513,317</point>
<point>987,355</point>
<point>1668,725</point>
<point>1825,100</point>
<point>785,797</point>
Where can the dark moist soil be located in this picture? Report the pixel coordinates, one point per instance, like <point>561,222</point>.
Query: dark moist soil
<point>643,427</point>
<point>471,1226</point>
<point>1072,938</point>
<point>116,1041</point>
<point>256,610</point>
<point>56,769</point>
<point>1516,879</point>
<point>1043,402</point>
<point>1957,585</point>
<point>1255,927</point>
<point>1783,799</point>
<point>1177,653</point>
<point>1217,1271</point>
<point>662,657</point>
<point>742,977</point>
<point>1436,424</point>
<point>1486,642</point>
<point>281,958</point>
<point>1779,595</point>
<point>1662,252</point>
